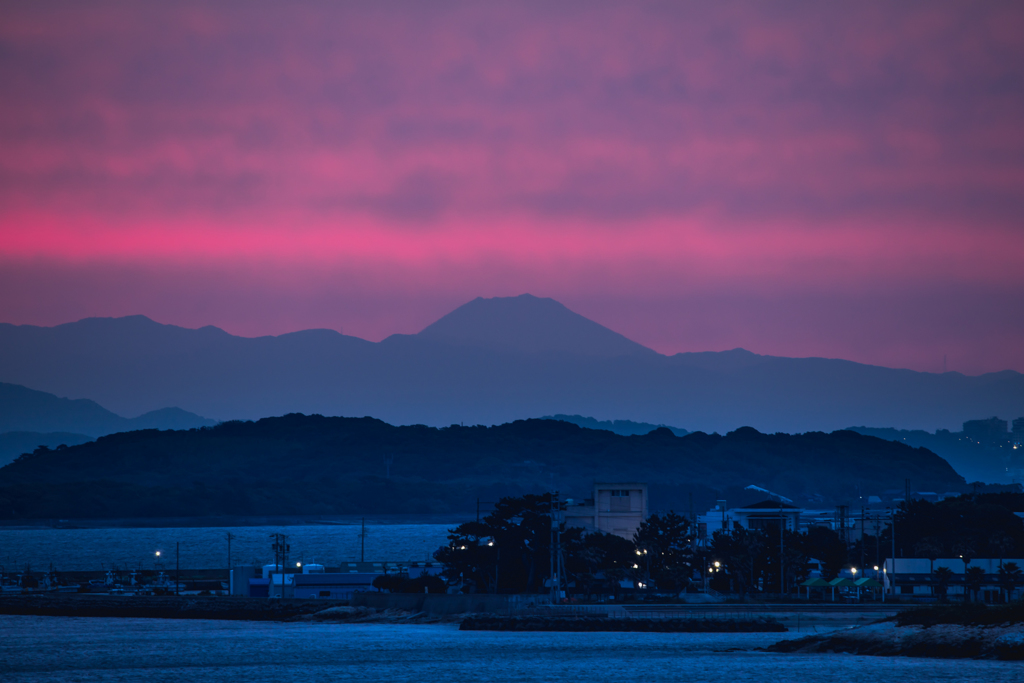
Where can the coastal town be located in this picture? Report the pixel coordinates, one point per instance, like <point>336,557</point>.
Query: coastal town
<point>609,548</point>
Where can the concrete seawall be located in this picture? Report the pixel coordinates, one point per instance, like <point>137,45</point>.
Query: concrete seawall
<point>444,605</point>
<point>542,623</point>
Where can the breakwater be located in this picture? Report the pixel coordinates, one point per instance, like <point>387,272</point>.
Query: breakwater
<point>544,623</point>
<point>163,607</point>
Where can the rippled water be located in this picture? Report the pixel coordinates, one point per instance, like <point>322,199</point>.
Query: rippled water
<point>154,650</point>
<point>207,548</point>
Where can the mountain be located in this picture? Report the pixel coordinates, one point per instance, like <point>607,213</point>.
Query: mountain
<point>25,410</point>
<point>529,325</point>
<point>13,444</point>
<point>489,362</point>
<point>312,465</point>
<point>623,427</point>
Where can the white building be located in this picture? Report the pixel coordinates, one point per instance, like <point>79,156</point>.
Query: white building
<point>616,508</point>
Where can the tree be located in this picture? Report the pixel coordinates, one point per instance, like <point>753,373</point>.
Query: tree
<point>424,583</point>
<point>597,561</point>
<point>664,552</point>
<point>943,575</point>
<point>467,559</point>
<point>1010,577</point>
<point>389,582</point>
<point>974,577</point>
<point>985,523</point>
<point>825,545</point>
<point>741,551</point>
<point>506,552</point>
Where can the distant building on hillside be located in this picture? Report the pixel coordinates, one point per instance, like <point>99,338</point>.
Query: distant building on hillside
<point>992,429</point>
<point>1018,429</point>
<point>615,509</point>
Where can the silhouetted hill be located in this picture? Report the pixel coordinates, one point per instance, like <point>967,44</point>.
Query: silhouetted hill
<point>13,444</point>
<point>623,427</point>
<point>529,325</point>
<point>301,465</point>
<point>26,410</point>
<point>975,461</point>
<point>490,362</point>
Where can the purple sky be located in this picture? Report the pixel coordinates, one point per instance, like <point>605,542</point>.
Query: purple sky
<point>843,180</point>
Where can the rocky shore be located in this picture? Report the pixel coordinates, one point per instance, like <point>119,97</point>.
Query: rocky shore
<point>945,641</point>
<point>541,623</point>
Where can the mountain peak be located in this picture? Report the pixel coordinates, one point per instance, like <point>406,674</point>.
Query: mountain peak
<point>529,324</point>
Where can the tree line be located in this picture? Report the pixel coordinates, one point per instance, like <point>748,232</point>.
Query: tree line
<point>510,550</point>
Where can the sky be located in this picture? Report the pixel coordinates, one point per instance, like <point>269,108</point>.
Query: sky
<point>795,178</point>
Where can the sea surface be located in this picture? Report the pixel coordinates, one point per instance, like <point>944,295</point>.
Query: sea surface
<point>154,650</point>
<point>207,547</point>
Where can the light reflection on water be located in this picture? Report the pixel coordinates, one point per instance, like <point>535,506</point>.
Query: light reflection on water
<point>155,650</point>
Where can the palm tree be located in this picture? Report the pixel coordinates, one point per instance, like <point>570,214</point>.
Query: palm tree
<point>973,578</point>
<point>943,575</point>
<point>1009,576</point>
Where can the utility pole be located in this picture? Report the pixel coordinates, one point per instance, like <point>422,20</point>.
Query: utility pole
<point>280,557</point>
<point>782,551</point>
<point>229,537</point>
<point>692,527</point>
<point>556,549</point>
<point>862,538</point>
<point>893,525</point>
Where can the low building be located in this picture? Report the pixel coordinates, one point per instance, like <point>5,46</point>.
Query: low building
<point>767,516</point>
<point>617,508</point>
<point>334,586</point>
<point>915,576</point>
<point>764,516</point>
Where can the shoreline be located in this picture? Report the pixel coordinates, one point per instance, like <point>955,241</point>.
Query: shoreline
<point>1003,642</point>
<point>631,624</point>
<point>44,524</point>
<point>163,607</point>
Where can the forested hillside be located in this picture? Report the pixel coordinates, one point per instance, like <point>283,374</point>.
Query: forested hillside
<point>300,465</point>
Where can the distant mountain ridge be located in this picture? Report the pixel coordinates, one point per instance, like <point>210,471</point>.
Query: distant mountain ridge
<point>489,362</point>
<point>26,410</point>
<point>621,427</point>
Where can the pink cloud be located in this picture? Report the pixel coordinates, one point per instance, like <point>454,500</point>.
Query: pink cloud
<point>782,163</point>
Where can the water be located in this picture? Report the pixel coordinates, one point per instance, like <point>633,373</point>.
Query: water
<point>207,548</point>
<point>44,649</point>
